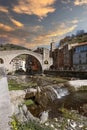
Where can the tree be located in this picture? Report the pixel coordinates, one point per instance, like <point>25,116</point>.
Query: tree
<point>80,32</point>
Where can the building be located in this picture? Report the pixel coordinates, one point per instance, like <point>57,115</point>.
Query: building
<point>80,56</point>
<point>18,64</point>
<point>63,57</point>
<point>39,50</point>
<point>47,59</point>
<point>52,48</point>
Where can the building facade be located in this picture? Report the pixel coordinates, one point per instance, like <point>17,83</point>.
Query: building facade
<point>80,57</point>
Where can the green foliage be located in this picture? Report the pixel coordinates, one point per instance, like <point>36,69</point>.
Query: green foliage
<point>11,47</point>
<point>80,36</point>
<point>16,125</point>
<point>29,102</point>
<point>68,114</point>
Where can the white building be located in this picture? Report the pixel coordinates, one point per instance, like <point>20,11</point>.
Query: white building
<point>18,64</point>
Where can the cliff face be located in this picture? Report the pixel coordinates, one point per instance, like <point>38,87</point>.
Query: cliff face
<point>5,106</point>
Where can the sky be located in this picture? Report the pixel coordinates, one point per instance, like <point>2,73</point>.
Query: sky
<point>35,23</point>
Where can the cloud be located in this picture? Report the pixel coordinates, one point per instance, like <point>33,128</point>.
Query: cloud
<point>45,38</point>
<point>3,9</point>
<point>75,21</point>
<point>17,23</point>
<point>65,1</point>
<point>5,27</point>
<point>39,8</point>
<point>35,36</point>
<point>80,2</point>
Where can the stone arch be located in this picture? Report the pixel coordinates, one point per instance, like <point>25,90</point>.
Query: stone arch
<point>1,61</point>
<point>28,54</point>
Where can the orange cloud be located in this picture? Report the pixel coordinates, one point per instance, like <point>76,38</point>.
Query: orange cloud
<point>17,23</point>
<point>37,35</point>
<point>3,9</point>
<point>33,7</point>
<point>6,27</point>
<point>80,2</point>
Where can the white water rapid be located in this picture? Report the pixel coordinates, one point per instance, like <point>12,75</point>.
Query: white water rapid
<point>60,92</point>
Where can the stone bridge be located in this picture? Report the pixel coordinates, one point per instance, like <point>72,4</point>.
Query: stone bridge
<point>7,56</point>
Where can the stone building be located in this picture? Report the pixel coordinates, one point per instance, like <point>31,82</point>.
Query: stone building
<point>63,57</point>
<point>46,58</point>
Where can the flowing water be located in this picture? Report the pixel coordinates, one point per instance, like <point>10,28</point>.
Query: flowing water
<point>60,91</point>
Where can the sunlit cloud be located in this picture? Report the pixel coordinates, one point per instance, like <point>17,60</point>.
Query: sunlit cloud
<point>39,8</point>
<point>80,2</point>
<point>16,23</point>
<point>3,9</point>
<point>44,39</point>
<point>5,27</point>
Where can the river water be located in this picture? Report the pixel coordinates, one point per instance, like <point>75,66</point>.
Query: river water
<point>73,101</point>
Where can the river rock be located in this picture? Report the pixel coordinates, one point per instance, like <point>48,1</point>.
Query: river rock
<point>18,108</point>
<point>17,98</point>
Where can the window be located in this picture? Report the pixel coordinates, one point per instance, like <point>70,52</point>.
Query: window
<point>45,62</point>
<point>1,61</point>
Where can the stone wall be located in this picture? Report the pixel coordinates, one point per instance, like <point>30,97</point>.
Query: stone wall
<point>5,106</point>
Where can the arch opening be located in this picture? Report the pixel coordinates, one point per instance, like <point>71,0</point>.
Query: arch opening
<point>1,61</point>
<point>26,63</point>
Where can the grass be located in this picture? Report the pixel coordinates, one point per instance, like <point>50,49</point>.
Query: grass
<point>68,114</point>
<point>55,79</point>
<point>83,88</point>
<point>13,85</point>
<point>30,125</point>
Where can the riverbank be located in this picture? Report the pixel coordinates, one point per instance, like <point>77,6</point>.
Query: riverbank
<point>46,88</point>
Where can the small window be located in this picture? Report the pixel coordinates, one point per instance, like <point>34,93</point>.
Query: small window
<point>86,54</point>
<point>80,62</point>
<point>45,62</point>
